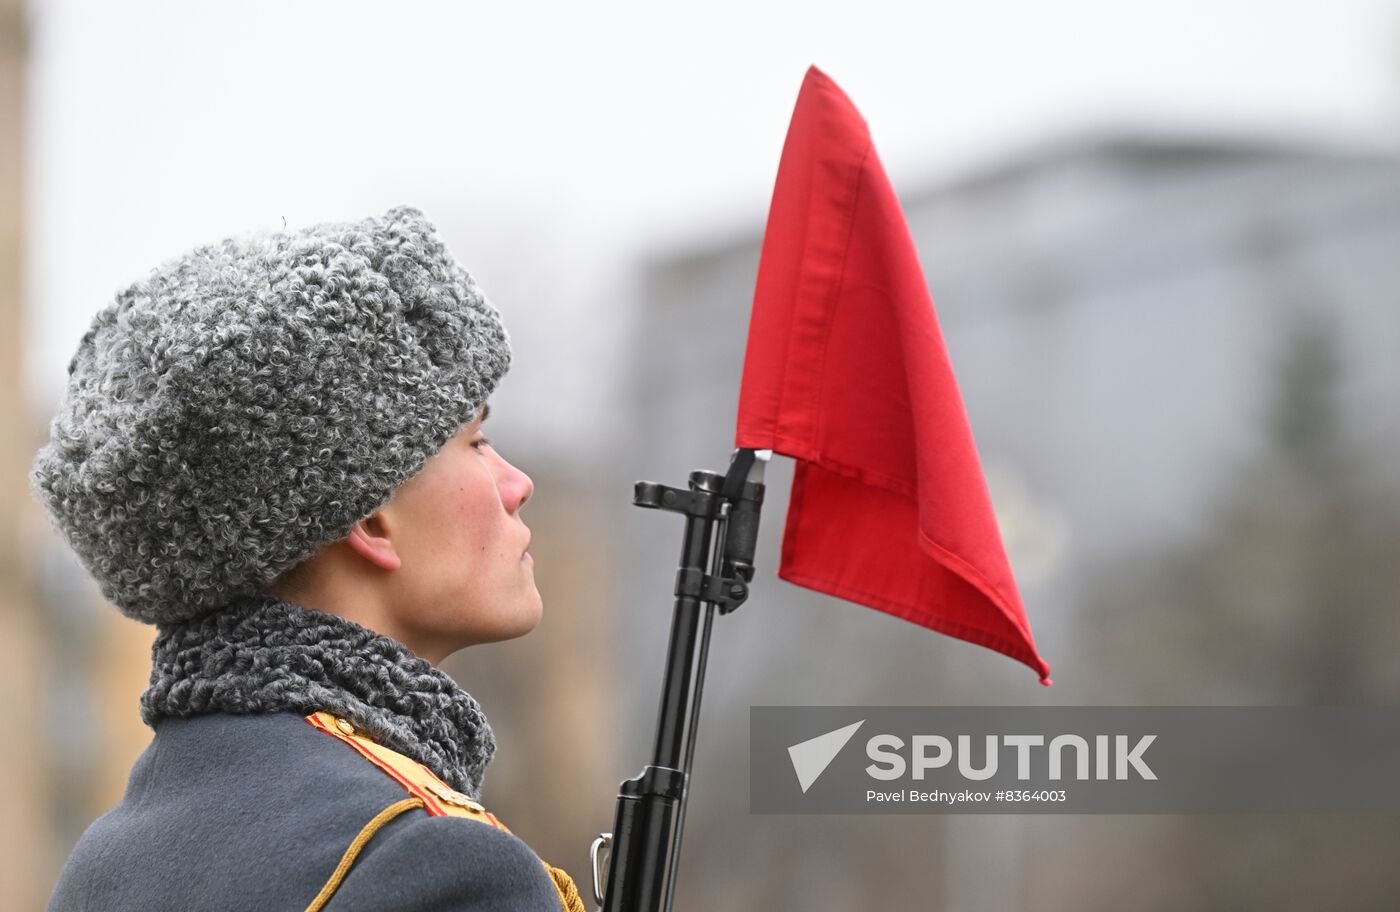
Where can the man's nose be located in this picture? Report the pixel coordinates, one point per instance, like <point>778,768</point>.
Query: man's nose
<point>516,487</point>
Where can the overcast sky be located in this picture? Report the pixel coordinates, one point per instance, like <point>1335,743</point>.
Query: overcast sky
<point>552,142</point>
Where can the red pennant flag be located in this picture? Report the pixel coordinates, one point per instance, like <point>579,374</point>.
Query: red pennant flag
<point>847,373</point>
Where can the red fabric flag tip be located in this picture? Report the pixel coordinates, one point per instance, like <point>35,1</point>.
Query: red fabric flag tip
<point>847,373</point>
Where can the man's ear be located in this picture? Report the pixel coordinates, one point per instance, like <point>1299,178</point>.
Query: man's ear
<point>368,540</point>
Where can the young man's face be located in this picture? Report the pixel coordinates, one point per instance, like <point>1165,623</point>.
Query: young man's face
<point>465,576</point>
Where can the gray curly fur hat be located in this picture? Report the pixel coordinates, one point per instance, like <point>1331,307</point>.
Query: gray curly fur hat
<point>244,405</point>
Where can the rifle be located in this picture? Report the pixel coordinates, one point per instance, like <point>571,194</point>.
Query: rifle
<point>721,532</point>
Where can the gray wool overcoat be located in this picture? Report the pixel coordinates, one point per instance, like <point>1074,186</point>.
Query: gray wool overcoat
<point>254,812</point>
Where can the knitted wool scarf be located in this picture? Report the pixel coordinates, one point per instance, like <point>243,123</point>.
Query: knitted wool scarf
<point>262,654</point>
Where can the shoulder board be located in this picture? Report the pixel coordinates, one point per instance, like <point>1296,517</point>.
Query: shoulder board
<point>439,799</point>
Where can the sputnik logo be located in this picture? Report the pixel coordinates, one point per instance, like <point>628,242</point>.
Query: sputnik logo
<point>811,758</point>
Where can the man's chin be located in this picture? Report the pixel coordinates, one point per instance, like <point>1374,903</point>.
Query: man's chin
<point>520,624</point>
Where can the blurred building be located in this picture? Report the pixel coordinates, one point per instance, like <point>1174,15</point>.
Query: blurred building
<point>1116,308</point>
<point>22,761</point>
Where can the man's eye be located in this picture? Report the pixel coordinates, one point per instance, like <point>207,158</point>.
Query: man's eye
<point>480,442</point>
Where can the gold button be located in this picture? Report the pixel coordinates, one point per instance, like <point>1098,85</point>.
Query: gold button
<point>345,726</point>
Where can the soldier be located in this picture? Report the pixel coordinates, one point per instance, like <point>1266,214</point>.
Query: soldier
<point>271,449</point>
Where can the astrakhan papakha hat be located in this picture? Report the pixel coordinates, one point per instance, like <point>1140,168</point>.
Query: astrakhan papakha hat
<point>244,405</point>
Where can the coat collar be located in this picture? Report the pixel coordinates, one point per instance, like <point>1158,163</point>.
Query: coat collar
<point>262,654</point>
